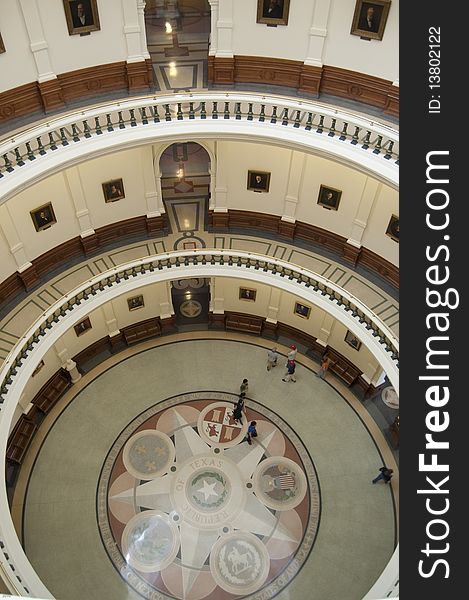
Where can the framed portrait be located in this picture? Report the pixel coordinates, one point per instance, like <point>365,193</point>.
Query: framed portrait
<point>135,302</point>
<point>82,16</point>
<point>82,326</point>
<point>329,197</point>
<point>43,217</point>
<point>113,190</point>
<point>273,12</point>
<point>352,340</point>
<point>2,45</point>
<point>258,181</point>
<point>302,310</point>
<point>369,19</point>
<point>247,294</point>
<point>393,228</point>
<point>37,369</point>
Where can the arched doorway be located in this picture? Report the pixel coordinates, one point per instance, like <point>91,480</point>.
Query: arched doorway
<point>185,185</point>
<point>178,34</point>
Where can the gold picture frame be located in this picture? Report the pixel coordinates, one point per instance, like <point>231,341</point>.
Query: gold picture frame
<point>83,326</point>
<point>352,340</point>
<point>393,228</point>
<point>302,310</point>
<point>273,12</point>
<point>113,190</point>
<point>135,302</point>
<point>37,369</point>
<point>82,16</point>
<point>369,19</point>
<point>258,181</point>
<point>247,294</point>
<point>43,217</point>
<point>329,198</point>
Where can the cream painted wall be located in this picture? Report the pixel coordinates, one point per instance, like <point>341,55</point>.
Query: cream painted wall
<point>16,41</point>
<point>7,262</point>
<point>228,290</point>
<point>341,49</point>
<point>234,159</point>
<point>126,165</point>
<point>238,158</point>
<point>70,52</point>
<point>319,171</point>
<point>66,52</point>
<point>374,236</point>
<point>54,190</point>
<point>256,39</point>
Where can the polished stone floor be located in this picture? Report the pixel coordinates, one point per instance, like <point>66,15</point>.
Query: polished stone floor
<point>141,481</point>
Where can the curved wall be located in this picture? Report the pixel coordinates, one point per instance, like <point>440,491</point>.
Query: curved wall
<point>76,194</point>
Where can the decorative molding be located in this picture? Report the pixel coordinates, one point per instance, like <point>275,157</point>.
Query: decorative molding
<point>51,95</point>
<point>29,278</point>
<point>306,78</point>
<point>55,93</point>
<point>265,70</point>
<point>360,87</point>
<point>309,234</point>
<point>23,100</point>
<point>221,70</point>
<point>138,76</point>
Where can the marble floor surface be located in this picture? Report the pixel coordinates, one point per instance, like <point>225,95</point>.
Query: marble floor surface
<point>330,542</point>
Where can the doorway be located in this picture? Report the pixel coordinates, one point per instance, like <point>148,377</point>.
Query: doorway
<point>178,34</point>
<point>190,299</point>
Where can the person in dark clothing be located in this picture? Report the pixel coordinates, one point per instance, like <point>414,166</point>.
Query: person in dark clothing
<point>385,475</point>
<point>244,386</point>
<point>290,374</point>
<point>239,408</point>
<point>252,432</point>
<point>81,14</point>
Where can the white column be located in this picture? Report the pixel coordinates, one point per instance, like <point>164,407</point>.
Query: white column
<point>274,305</point>
<point>295,179</point>
<point>371,191</point>
<point>216,300</point>
<point>317,33</point>
<point>225,29</point>
<point>143,32</point>
<point>372,372</point>
<point>67,363</point>
<point>326,329</point>
<point>37,42</point>
<point>13,240</point>
<point>132,31</point>
<point>219,198</point>
<point>71,366</point>
<point>110,319</point>
<point>151,182</point>
<point>213,27</point>
<point>75,187</point>
<point>166,305</point>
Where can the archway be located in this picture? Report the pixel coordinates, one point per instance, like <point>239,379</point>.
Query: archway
<point>185,188</point>
<point>178,35</point>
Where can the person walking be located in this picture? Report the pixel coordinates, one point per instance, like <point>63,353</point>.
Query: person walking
<point>385,475</point>
<point>290,374</point>
<point>272,358</point>
<point>292,353</point>
<point>239,409</point>
<point>325,364</point>
<point>244,387</point>
<point>252,432</point>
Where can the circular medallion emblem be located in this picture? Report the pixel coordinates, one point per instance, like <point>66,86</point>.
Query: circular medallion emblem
<point>148,454</point>
<point>239,563</point>
<point>390,397</point>
<point>280,483</point>
<point>150,541</point>
<point>218,428</point>
<point>188,511</point>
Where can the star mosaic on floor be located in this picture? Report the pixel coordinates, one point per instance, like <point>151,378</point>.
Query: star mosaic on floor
<point>189,511</point>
